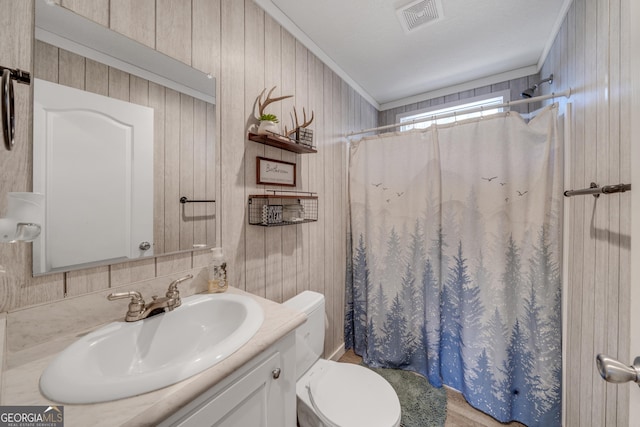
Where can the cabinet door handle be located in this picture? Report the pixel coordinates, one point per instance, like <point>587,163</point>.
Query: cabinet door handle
<point>276,373</point>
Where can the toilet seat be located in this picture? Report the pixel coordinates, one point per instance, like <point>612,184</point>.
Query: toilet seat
<point>346,395</point>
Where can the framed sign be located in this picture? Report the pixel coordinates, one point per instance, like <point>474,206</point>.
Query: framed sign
<point>275,172</point>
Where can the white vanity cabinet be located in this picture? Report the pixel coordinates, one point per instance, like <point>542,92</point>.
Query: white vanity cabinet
<point>261,393</point>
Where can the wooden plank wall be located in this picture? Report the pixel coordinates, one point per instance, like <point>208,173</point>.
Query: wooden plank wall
<point>591,55</point>
<point>515,87</point>
<point>246,50</point>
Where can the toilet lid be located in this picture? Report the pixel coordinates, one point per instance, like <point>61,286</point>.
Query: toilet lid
<point>350,395</point>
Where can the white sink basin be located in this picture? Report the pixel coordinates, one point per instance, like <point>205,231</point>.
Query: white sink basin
<point>126,359</point>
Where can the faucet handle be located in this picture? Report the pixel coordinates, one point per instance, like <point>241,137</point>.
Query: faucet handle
<point>134,295</point>
<point>173,292</point>
<point>136,305</point>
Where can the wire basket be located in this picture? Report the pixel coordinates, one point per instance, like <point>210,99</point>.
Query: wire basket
<point>275,210</point>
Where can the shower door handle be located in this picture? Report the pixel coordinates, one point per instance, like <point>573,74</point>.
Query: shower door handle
<point>614,371</point>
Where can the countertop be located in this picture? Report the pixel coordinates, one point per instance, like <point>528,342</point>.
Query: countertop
<point>32,341</point>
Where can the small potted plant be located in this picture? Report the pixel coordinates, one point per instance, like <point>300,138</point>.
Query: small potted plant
<point>268,124</point>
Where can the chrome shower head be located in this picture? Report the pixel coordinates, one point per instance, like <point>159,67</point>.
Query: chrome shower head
<point>528,93</point>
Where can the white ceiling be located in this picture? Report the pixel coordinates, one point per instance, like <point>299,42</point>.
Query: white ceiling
<point>476,42</point>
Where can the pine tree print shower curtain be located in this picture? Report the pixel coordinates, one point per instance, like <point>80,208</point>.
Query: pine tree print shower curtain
<point>454,269</point>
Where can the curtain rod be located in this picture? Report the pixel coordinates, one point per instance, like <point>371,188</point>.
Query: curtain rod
<point>566,94</point>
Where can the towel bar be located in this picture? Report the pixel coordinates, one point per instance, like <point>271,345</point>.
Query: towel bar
<point>597,190</point>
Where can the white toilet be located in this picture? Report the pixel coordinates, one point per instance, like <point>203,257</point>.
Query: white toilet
<point>332,394</point>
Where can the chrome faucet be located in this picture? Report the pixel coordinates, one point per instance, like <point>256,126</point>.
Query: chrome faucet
<point>139,310</point>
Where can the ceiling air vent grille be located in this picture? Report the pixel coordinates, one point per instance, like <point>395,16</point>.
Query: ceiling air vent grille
<point>419,13</point>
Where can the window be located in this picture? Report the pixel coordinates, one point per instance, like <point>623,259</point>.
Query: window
<point>457,107</point>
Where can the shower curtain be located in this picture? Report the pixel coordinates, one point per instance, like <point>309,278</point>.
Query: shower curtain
<point>455,263</point>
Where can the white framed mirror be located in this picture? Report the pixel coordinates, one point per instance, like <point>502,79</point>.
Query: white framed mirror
<point>85,60</point>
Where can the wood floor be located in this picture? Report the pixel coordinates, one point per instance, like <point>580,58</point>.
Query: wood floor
<point>459,412</point>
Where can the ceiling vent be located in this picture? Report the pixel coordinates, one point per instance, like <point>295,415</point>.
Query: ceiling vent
<point>419,13</point>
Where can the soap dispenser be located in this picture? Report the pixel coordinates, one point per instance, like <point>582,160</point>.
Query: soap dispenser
<point>217,272</point>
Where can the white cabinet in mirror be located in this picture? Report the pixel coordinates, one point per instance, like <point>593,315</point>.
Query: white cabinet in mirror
<point>113,183</point>
<point>93,161</point>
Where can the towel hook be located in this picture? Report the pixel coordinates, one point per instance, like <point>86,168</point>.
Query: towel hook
<point>8,104</point>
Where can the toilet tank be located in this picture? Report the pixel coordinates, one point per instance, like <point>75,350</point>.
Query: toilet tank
<point>309,335</point>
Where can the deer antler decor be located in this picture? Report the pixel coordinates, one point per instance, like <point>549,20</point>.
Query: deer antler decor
<point>268,100</point>
<point>298,126</point>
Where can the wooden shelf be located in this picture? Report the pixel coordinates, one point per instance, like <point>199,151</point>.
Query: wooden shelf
<point>282,196</point>
<point>282,143</point>
<point>280,224</point>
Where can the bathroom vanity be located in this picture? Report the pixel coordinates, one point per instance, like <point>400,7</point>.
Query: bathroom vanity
<point>253,386</point>
<point>260,393</point>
